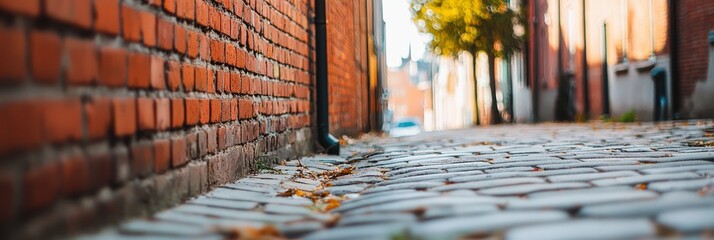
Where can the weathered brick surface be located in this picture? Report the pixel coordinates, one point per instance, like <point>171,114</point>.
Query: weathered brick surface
<point>109,99</point>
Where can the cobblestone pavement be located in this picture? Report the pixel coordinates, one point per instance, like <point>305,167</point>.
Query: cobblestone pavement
<point>546,181</point>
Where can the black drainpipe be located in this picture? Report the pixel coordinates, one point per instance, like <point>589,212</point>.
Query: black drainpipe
<point>586,87</point>
<point>674,57</point>
<point>326,140</point>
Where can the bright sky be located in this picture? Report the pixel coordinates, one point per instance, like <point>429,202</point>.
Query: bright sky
<point>401,32</point>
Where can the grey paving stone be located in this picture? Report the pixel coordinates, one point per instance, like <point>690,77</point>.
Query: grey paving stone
<point>586,164</point>
<point>645,179</point>
<point>595,229</point>
<point>509,169</point>
<point>347,189</point>
<point>356,180</point>
<point>688,220</point>
<point>296,210</point>
<point>427,171</point>
<point>222,203</point>
<point>205,221</point>
<point>300,229</point>
<point>487,183</point>
<point>520,174</point>
<point>424,203</point>
<point>378,231</point>
<point>260,198</point>
<point>668,201</point>
<point>350,220</point>
<point>527,158</point>
<point>235,214</point>
<point>651,165</point>
<point>706,173</point>
<point>682,185</point>
<point>407,185</point>
<point>297,185</point>
<point>265,189</point>
<point>382,199</point>
<point>582,199</point>
<point>530,188</point>
<point>590,176</point>
<point>432,177</point>
<point>580,191</point>
<point>458,210</point>
<point>162,228</point>
<point>450,228</point>
<point>678,169</point>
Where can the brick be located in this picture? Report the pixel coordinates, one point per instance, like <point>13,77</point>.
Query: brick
<point>163,114</point>
<point>197,178</point>
<point>82,55</point>
<point>75,12</point>
<point>186,9</point>
<point>180,43</point>
<point>174,75</point>
<point>142,159</point>
<point>124,116</point>
<point>217,50</point>
<point>20,130</point>
<point>231,55</point>
<point>112,67</point>
<point>162,155</point>
<point>210,81</point>
<point>225,110</point>
<point>192,145</point>
<point>170,6</point>
<point>45,54</point>
<point>146,114</point>
<point>192,111</point>
<point>107,16</point>
<point>203,47</point>
<point>205,111</point>
<point>75,175</point>
<point>139,70</point>
<point>148,28</point>
<point>102,168</point>
<point>29,7</point>
<point>63,120</point>
<point>235,29</point>
<point>99,118</point>
<point>211,140</point>
<point>13,64</point>
<point>38,192</point>
<point>158,76</point>
<point>7,186</point>
<point>215,110</point>
<point>187,75</point>
<point>177,113</point>
<point>165,32</point>
<point>202,13</point>
<point>235,83</point>
<point>131,23</point>
<point>192,43</point>
<point>214,18</point>
<point>201,80</point>
<point>178,152</point>
<point>220,80</point>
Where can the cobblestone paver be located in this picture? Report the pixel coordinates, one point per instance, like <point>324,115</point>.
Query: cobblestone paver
<point>546,181</point>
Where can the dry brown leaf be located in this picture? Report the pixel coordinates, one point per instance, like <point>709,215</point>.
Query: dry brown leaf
<point>641,186</point>
<point>252,233</point>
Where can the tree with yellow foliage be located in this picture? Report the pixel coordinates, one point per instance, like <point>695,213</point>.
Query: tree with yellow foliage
<point>473,26</point>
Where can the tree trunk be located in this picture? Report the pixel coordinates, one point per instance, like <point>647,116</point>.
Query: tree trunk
<point>473,74</point>
<point>495,116</point>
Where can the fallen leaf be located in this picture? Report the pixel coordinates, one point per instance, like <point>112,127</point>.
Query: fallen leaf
<point>641,186</point>
<point>251,233</point>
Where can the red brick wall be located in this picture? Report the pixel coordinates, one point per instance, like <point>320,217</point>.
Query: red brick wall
<point>133,105</point>
<point>347,72</point>
<point>695,18</point>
